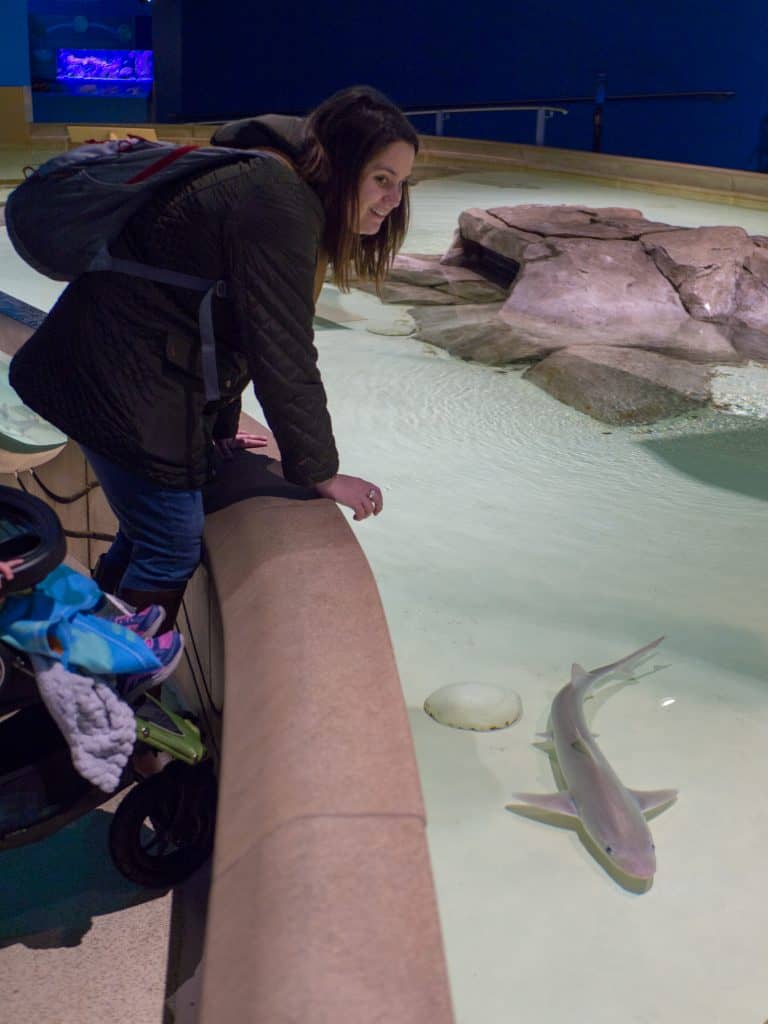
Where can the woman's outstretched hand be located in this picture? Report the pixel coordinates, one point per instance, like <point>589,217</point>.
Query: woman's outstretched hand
<point>227,446</point>
<point>363,497</point>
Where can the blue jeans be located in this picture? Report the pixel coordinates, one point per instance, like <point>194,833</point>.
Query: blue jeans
<point>160,530</point>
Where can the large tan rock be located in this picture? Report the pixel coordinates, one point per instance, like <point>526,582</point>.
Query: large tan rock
<point>455,293</point>
<point>749,343</point>
<point>622,386</point>
<point>578,222</point>
<point>641,308</point>
<point>461,281</point>
<point>703,264</point>
<point>685,339</point>
<point>757,262</point>
<point>750,307</point>
<point>474,291</point>
<point>409,294</point>
<point>495,334</point>
<point>489,231</point>
<point>429,272</point>
<point>474,332</point>
<point>595,284</point>
<point>455,255</point>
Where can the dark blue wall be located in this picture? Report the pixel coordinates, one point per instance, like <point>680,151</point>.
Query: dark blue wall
<point>222,58</point>
<point>14,52</point>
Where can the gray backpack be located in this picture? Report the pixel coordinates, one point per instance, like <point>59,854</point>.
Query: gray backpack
<point>63,218</point>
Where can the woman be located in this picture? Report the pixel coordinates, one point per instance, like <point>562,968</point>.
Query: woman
<point>116,363</point>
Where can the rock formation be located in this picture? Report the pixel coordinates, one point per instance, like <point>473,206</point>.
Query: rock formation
<point>621,317</point>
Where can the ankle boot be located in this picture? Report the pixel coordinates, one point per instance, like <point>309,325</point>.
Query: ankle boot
<point>170,600</point>
<point>107,576</point>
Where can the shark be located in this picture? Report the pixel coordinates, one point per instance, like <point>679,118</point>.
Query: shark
<point>613,816</point>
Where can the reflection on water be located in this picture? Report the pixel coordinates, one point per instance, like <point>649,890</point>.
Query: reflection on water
<point>735,460</point>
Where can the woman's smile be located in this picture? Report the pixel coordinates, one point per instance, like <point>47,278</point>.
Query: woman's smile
<point>381,185</point>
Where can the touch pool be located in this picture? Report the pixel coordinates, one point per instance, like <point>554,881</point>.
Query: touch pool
<point>519,536</point>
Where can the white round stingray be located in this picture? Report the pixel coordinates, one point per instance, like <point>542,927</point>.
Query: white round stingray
<point>478,706</point>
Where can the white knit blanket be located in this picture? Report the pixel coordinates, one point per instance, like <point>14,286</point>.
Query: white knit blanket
<point>99,727</point>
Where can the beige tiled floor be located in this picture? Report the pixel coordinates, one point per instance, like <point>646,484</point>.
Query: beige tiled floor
<point>78,943</point>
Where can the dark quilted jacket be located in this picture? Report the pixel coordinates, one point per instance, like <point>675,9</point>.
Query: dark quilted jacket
<point>116,363</point>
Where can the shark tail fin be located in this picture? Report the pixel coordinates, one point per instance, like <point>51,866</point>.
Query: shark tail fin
<point>579,676</point>
<point>582,680</point>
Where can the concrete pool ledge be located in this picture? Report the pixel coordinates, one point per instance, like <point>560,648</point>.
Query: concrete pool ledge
<point>690,181</point>
<point>321,878</point>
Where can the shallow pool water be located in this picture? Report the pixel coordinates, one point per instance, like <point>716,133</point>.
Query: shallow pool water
<point>519,536</point>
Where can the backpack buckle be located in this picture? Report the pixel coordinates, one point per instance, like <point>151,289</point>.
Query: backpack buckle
<point>220,289</point>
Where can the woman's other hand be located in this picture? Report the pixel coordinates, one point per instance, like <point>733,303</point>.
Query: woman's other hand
<point>363,497</point>
<point>227,446</point>
<point>7,569</point>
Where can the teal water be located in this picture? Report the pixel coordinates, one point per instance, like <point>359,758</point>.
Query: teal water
<point>22,430</point>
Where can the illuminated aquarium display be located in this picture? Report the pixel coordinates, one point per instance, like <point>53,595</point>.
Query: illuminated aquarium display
<point>105,72</point>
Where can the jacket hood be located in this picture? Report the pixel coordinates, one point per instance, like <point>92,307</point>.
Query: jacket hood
<point>272,131</point>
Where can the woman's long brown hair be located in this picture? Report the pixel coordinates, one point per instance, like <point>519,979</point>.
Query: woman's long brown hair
<point>343,135</point>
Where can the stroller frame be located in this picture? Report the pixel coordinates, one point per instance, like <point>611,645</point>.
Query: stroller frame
<point>163,828</point>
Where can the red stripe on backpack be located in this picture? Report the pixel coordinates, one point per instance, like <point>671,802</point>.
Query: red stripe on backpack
<point>160,164</point>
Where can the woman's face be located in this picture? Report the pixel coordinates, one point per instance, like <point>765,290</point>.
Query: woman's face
<point>381,185</point>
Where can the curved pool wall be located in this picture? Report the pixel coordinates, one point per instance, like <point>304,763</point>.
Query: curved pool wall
<point>322,902</point>
<point>687,181</point>
<point>321,879</point>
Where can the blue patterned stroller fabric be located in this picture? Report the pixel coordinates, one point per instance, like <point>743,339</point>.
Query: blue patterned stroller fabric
<point>55,619</point>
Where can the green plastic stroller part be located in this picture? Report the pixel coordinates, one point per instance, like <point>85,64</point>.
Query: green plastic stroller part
<point>184,745</point>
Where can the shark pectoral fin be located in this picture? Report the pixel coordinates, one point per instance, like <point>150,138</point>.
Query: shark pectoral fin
<point>545,741</point>
<point>653,799</point>
<point>554,803</point>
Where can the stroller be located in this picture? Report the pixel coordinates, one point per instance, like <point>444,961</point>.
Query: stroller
<point>163,828</point>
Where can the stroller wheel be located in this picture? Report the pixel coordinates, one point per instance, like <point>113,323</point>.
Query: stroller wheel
<point>31,531</point>
<point>163,830</point>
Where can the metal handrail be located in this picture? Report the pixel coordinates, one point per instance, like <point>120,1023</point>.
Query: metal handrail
<point>543,114</point>
<point>546,108</point>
